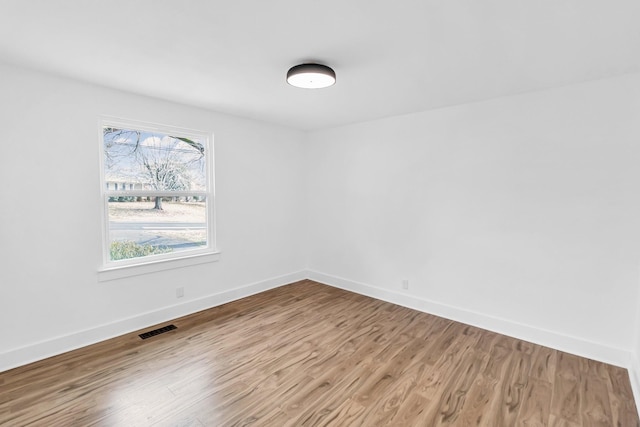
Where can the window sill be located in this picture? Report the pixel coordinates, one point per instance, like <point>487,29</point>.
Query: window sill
<point>113,273</point>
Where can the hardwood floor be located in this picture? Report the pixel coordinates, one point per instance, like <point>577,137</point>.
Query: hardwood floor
<point>308,354</point>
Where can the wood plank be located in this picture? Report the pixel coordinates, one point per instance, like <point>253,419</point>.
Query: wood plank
<point>623,407</point>
<point>454,389</point>
<point>567,390</point>
<point>596,409</point>
<point>536,406</point>
<point>544,364</point>
<point>508,398</point>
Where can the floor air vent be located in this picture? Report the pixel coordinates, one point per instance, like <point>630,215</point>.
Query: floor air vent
<point>157,331</point>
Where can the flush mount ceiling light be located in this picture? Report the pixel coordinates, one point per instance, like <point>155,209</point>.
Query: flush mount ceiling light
<point>311,76</point>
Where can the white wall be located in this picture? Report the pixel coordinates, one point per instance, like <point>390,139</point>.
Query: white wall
<point>519,214</point>
<point>50,228</point>
<point>634,373</point>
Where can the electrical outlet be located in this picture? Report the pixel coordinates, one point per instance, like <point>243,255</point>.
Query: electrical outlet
<point>179,292</point>
<point>405,284</point>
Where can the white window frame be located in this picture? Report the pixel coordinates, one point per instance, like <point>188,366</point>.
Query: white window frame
<point>110,270</point>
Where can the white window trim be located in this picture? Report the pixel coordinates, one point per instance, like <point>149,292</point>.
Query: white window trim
<point>111,270</point>
<point>153,266</point>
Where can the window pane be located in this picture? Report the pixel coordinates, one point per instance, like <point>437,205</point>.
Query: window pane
<point>144,160</point>
<point>137,228</point>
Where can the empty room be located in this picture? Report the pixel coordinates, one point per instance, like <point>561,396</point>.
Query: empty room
<point>306,213</point>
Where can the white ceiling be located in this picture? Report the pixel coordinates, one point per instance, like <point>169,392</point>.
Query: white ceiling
<point>390,57</point>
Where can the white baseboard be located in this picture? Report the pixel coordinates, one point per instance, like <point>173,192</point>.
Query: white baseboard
<point>54,346</point>
<point>51,347</point>
<point>569,344</point>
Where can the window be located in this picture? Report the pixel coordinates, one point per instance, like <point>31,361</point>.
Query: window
<point>157,193</point>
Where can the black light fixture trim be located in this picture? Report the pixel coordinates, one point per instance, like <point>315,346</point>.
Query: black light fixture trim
<point>311,76</point>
